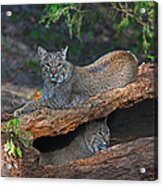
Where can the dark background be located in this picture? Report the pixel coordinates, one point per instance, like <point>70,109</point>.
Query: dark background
<point>22,33</point>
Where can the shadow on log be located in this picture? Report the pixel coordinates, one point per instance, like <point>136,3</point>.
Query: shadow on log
<point>124,158</point>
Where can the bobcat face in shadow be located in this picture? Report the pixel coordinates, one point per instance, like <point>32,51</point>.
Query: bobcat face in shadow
<point>54,67</point>
<point>99,141</point>
<point>97,135</point>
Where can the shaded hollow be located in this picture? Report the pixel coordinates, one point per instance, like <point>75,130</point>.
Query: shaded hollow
<point>134,122</point>
<point>82,143</point>
<point>125,124</point>
<point>48,144</point>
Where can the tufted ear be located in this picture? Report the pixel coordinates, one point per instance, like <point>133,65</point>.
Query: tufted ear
<point>41,52</point>
<point>64,53</point>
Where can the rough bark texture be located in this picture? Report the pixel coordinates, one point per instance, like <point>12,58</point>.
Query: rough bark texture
<point>121,161</point>
<point>48,122</point>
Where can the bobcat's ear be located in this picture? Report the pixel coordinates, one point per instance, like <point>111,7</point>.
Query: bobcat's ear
<point>64,53</point>
<point>41,52</point>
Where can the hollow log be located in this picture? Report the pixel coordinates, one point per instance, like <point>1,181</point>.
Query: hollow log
<point>120,161</point>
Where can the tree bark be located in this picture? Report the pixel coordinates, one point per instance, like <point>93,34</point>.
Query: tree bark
<point>120,162</point>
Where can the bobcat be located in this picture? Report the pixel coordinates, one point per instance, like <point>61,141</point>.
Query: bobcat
<point>66,85</point>
<point>92,137</point>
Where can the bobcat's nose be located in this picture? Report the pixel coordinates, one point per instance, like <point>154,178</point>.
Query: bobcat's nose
<point>53,71</point>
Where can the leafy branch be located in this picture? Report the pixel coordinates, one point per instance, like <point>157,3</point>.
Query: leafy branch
<point>124,17</point>
<point>72,14</point>
<point>134,16</point>
<point>17,138</point>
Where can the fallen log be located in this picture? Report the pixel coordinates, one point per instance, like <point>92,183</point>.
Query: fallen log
<point>48,122</point>
<point>120,162</point>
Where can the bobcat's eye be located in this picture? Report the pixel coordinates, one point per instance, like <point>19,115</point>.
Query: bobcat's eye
<point>59,65</point>
<point>100,133</point>
<point>46,65</point>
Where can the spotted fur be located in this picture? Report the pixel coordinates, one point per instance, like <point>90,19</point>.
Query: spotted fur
<point>66,85</point>
<point>92,138</point>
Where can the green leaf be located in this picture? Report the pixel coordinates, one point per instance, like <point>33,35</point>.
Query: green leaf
<point>8,125</point>
<point>25,142</point>
<point>16,124</point>
<point>123,24</point>
<point>19,152</point>
<point>12,147</point>
<point>151,57</point>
